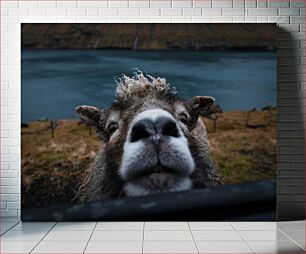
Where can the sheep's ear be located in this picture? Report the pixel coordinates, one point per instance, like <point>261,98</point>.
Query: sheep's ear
<point>201,104</point>
<point>89,115</point>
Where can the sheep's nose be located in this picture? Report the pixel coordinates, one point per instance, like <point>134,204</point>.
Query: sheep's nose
<point>155,131</point>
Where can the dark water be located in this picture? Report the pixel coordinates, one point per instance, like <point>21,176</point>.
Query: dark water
<point>55,82</point>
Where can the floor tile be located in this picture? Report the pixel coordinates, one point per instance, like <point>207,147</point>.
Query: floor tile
<point>276,247</point>
<point>60,247</point>
<point>23,236</point>
<point>223,247</point>
<point>166,226</point>
<point>301,243</point>
<point>114,247</point>
<point>17,247</point>
<point>168,235</point>
<point>291,225</point>
<point>120,225</point>
<point>253,226</point>
<point>69,236</point>
<point>9,224</point>
<point>5,226</point>
<point>33,226</point>
<point>297,235</point>
<point>273,235</point>
<point>63,226</point>
<point>273,223</point>
<point>198,225</point>
<point>169,247</point>
<point>3,230</point>
<point>98,236</point>
<point>216,236</point>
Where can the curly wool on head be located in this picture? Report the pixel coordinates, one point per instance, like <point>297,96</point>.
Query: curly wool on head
<point>140,85</point>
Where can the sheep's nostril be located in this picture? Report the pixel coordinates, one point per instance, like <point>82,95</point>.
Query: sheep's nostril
<point>169,128</point>
<point>154,130</point>
<point>142,130</point>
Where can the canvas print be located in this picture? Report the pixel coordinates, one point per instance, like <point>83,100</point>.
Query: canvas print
<point>140,112</point>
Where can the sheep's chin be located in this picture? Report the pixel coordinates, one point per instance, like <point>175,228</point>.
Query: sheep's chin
<point>157,183</point>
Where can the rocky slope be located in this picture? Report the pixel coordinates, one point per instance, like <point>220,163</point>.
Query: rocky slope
<point>149,36</point>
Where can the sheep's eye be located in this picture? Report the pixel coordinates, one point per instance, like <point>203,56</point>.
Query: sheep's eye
<point>183,118</point>
<point>112,127</point>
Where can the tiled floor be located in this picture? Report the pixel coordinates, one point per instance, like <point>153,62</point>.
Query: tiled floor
<point>152,237</point>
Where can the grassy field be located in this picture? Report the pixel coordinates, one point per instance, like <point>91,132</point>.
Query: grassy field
<point>244,154</point>
<point>53,168</point>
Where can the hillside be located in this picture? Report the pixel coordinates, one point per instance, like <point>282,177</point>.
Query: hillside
<point>148,36</point>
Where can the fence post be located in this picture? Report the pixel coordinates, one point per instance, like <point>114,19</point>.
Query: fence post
<point>52,125</point>
<point>269,117</point>
<point>247,120</point>
<point>215,124</point>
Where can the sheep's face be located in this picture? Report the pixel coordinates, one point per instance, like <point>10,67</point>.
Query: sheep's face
<point>147,140</point>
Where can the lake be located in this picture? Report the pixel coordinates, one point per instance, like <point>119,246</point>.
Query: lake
<point>54,82</point>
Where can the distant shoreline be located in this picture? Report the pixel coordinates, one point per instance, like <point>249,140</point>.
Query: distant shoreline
<point>149,36</point>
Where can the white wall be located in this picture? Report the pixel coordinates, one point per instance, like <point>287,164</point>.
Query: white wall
<point>289,14</point>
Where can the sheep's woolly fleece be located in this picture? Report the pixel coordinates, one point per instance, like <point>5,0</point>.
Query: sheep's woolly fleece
<point>140,85</point>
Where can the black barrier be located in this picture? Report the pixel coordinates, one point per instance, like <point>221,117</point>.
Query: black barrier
<point>251,201</point>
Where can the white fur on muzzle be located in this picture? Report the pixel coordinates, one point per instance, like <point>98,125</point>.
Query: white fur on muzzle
<point>141,155</point>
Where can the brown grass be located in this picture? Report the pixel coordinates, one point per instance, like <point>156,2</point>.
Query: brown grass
<point>53,169</point>
<point>244,154</point>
